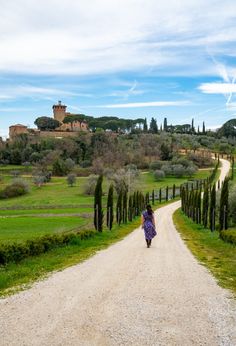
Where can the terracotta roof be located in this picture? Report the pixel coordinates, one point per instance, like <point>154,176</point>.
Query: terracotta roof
<point>18,125</point>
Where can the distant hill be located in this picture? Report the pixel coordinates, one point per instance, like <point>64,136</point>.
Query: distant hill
<point>228,129</point>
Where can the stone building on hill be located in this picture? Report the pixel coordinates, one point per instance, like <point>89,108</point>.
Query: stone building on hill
<point>64,130</point>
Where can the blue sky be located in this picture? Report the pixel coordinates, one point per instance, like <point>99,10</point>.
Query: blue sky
<point>129,58</point>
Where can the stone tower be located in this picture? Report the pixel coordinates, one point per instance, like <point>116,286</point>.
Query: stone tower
<point>59,111</point>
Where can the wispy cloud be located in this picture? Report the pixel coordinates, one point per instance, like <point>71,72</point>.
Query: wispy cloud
<point>147,104</point>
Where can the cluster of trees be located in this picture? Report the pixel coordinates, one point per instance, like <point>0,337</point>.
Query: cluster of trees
<point>101,150</point>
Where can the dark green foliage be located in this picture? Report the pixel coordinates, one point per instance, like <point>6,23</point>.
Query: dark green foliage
<point>124,207</point>
<point>145,128</point>
<point>15,252</point>
<point>228,236</point>
<point>160,195</point>
<point>224,205</point>
<point>212,209</point>
<point>59,168</point>
<point>173,191</point>
<point>153,197</point>
<point>119,207</point>
<point>153,126</point>
<point>167,193</point>
<point>147,200</point>
<point>232,168</point>
<point>130,208</point>
<point>205,206</point>
<point>98,212</point>
<point>18,188</point>
<point>46,123</point>
<point>165,126</point>
<point>110,214</point>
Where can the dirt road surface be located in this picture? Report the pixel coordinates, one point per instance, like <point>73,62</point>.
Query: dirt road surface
<point>126,295</point>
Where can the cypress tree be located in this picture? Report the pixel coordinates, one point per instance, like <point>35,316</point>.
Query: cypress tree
<point>173,192</point>
<point>203,128</point>
<point>232,168</point>
<point>98,212</point>
<point>124,207</point>
<point>165,127</point>
<point>199,207</point>
<point>212,208</point>
<point>119,207</point>
<point>205,206</point>
<point>167,193</point>
<point>147,198</point>
<point>224,205</point>
<point>110,215</point>
<point>153,197</point>
<point>160,195</point>
<point>130,211</point>
<point>145,128</point>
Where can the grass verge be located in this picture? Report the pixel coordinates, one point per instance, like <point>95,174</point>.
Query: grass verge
<point>219,257</point>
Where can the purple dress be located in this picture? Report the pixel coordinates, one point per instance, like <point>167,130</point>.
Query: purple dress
<point>149,229</point>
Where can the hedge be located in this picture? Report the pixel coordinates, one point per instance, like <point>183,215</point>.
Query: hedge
<point>229,236</point>
<point>16,252</point>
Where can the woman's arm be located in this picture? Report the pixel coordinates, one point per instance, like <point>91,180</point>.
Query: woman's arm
<point>142,221</point>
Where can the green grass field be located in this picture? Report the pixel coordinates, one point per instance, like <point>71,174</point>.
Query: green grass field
<point>22,228</point>
<point>209,249</point>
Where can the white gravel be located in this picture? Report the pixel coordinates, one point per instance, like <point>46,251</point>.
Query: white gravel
<point>125,295</point>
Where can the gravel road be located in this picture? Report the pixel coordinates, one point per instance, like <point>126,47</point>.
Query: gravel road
<point>125,295</point>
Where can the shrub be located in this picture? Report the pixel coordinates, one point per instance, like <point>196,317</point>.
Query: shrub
<point>156,165</point>
<point>229,236</point>
<point>159,175</point>
<point>70,164</point>
<point>16,252</point>
<point>178,170</point>
<point>71,179</point>
<point>19,187</point>
<point>89,187</point>
<point>167,168</point>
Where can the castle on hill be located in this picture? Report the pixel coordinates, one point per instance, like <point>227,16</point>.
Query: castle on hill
<point>64,130</point>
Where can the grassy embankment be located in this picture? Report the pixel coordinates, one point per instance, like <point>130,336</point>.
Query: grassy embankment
<point>219,257</point>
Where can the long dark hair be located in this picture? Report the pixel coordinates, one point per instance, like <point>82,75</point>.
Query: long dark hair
<point>149,209</point>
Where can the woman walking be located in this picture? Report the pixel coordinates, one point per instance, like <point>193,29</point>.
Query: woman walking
<point>148,224</point>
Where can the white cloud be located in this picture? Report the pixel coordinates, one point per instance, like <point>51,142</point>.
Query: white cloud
<point>218,88</point>
<point>99,36</point>
<point>147,104</point>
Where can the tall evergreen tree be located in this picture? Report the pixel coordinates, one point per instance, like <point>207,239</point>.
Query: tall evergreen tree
<point>212,210</point>
<point>165,127</point>
<point>119,207</point>
<point>203,128</point>
<point>124,207</point>
<point>110,214</point>
<point>98,212</point>
<point>232,168</point>
<point>205,206</point>
<point>224,205</point>
<point>130,208</point>
<point>145,127</point>
<point>153,197</point>
<point>153,126</point>
<point>192,126</point>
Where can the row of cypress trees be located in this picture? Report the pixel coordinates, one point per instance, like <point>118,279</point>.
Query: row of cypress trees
<point>127,208</point>
<point>203,210</point>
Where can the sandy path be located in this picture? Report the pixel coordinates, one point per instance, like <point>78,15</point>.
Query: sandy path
<point>125,295</point>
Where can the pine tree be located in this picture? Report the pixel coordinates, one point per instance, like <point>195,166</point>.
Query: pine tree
<point>224,205</point>
<point>110,215</point>
<point>98,212</point>
<point>212,209</point>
